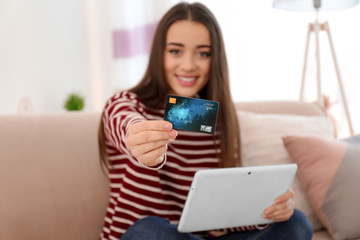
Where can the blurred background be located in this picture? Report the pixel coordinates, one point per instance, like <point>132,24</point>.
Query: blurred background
<point>50,49</point>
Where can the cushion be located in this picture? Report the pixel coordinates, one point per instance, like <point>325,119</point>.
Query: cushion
<point>330,172</point>
<point>261,141</point>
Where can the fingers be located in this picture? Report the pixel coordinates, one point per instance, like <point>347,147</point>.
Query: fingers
<point>280,212</point>
<point>154,157</point>
<point>148,147</point>
<point>282,209</point>
<point>286,196</point>
<point>150,136</point>
<point>149,131</point>
<point>150,126</point>
<point>147,141</point>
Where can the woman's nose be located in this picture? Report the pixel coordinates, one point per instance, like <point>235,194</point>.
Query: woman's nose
<point>188,63</point>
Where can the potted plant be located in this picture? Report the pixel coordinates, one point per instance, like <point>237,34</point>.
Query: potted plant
<point>74,102</point>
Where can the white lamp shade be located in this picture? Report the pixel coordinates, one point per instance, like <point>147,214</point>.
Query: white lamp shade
<point>308,5</point>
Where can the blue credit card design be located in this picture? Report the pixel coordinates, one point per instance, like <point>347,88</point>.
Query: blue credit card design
<point>191,114</point>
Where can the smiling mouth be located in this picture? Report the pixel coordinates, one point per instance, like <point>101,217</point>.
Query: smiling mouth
<point>186,81</point>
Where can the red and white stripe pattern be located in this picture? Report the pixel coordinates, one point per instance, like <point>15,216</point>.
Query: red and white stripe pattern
<point>137,191</point>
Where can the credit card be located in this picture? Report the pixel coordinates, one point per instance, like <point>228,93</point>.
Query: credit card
<point>191,114</point>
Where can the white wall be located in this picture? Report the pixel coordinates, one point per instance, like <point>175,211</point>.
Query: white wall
<point>45,53</point>
<point>50,48</point>
<point>265,49</point>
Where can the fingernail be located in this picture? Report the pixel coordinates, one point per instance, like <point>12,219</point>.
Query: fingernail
<point>173,134</point>
<point>168,126</point>
<point>159,159</point>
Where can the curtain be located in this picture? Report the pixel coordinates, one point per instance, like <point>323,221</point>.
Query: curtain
<point>133,25</point>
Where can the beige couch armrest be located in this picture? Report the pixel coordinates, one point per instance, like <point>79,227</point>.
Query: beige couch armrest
<point>51,183</point>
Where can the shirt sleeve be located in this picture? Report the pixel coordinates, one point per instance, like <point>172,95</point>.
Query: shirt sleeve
<point>121,111</point>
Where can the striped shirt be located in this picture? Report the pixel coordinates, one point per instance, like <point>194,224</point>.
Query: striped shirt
<point>137,191</point>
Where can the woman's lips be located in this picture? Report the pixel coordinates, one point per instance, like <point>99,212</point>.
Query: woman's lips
<point>186,81</point>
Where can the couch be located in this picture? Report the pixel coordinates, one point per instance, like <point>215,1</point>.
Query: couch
<point>51,182</point>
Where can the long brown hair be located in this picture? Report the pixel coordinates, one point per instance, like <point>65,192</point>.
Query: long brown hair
<point>153,88</point>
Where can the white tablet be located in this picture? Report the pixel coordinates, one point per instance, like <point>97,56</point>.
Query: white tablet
<point>233,197</point>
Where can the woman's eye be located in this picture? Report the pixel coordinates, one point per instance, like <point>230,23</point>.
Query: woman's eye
<point>204,54</point>
<point>175,52</point>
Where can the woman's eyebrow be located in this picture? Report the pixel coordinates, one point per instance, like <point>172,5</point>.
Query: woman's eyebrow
<point>204,46</point>
<point>182,45</point>
<point>175,44</point>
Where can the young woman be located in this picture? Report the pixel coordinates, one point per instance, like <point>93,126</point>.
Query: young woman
<point>151,165</point>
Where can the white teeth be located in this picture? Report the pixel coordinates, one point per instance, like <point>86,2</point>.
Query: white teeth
<point>187,79</point>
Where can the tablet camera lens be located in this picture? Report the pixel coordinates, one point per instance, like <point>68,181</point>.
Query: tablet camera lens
<point>249,173</point>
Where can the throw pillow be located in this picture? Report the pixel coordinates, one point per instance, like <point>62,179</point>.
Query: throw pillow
<point>261,142</point>
<point>330,172</point>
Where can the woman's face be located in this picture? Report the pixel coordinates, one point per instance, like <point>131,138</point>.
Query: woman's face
<point>187,57</point>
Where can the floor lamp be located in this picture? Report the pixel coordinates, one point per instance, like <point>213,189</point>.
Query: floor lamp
<point>315,28</point>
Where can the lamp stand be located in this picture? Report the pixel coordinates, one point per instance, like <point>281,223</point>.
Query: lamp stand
<point>315,28</point>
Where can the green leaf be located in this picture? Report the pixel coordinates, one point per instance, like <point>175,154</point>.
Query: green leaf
<point>74,102</point>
